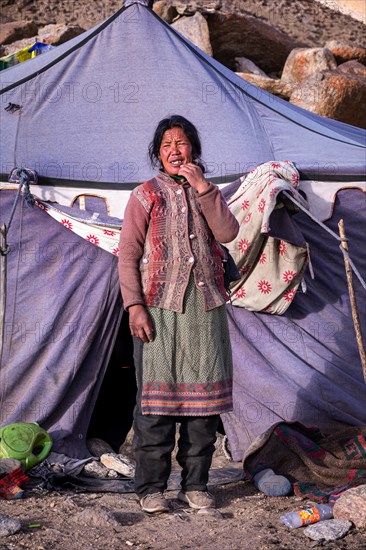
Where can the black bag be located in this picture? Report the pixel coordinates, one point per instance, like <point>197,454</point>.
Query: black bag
<point>231,272</point>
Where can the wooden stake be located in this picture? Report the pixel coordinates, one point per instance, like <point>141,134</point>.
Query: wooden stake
<point>352,296</point>
<point>3,252</point>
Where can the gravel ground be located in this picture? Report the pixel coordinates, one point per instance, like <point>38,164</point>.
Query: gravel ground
<point>246,520</point>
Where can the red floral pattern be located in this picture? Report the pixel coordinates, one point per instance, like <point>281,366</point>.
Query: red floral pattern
<point>115,251</point>
<point>247,217</point>
<point>41,206</point>
<point>67,223</point>
<point>240,293</point>
<point>263,258</point>
<point>281,248</point>
<point>93,239</point>
<point>244,245</point>
<point>109,232</point>
<point>290,295</point>
<point>261,205</point>
<point>245,269</point>
<point>264,287</point>
<point>289,276</point>
<point>245,205</point>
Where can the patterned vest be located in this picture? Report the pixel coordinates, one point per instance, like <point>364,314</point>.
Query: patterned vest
<point>178,242</point>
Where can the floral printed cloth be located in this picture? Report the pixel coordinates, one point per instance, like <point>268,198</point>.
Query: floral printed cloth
<point>271,268</point>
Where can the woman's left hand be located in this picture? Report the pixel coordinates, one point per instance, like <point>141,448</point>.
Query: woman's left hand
<point>194,176</point>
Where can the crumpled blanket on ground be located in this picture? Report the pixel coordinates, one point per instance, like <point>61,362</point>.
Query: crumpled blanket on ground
<point>269,250</point>
<point>320,467</point>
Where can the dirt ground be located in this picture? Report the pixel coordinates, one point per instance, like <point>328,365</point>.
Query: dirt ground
<point>246,520</point>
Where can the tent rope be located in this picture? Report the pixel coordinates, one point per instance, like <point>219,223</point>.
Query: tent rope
<point>341,239</point>
<point>25,176</point>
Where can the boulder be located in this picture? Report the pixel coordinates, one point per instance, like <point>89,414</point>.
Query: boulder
<point>275,87</point>
<point>50,34</point>
<point>352,67</point>
<point>345,52</point>
<point>165,10</point>
<point>16,30</point>
<point>58,33</point>
<point>189,8</point>
<point>19,45</point>
<point>244,65</point>
<point>351,506</point>
<point>335,95</point>
<point>304,62</point>
<point>196,30</point>
<point>241,35</point>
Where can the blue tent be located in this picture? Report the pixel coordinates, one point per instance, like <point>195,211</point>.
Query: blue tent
<point>82,116</point>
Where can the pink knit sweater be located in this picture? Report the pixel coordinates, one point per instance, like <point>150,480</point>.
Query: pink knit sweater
<point>170,231</point>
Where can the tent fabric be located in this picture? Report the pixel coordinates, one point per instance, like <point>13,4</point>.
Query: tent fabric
<point>87,112</point>
<point>114,82</point>
<point>304,365</point>
<point>63,311</point>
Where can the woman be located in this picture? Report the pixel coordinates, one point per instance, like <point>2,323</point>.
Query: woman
<point>172,284</point>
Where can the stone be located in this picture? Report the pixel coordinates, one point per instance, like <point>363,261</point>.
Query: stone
<point>98,447</point>
<point>334,95</point>
<point>343,51</point>
<point>242,35</point>
<point>58,33</point>
<point>196,30</point>
<point>8,465</point>
<point>351,505</point>
<point>352,67</point>
<point>331,529</point>
<point>189,8</point>
<point>304,62</point>
<point>8,526</point>
<point>16,30</point>
<point>118,463</point>
<point>244,65</point>
<point>165,10</point>
<point>213,512</point>
<point>273,86</point>
<point>51,34</point>
<point>185,8</point>
<point>97,470</point>
<point>97,517</point>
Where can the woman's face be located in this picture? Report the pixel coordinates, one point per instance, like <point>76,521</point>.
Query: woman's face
<point>175,150</point>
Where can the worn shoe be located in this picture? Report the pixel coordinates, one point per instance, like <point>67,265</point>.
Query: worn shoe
<point>154,503</point>
<point>197,499</point>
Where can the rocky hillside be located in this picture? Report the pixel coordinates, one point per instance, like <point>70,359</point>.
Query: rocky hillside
<point>308,21</point>
<point>310,52</point>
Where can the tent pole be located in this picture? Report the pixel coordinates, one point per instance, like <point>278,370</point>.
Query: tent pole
<point>4,249</point>
<point>352,296</point>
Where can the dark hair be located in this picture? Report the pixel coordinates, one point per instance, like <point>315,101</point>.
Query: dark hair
<point>176,121</point>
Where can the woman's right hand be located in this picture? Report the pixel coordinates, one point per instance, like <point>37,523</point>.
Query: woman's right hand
<point>141,324</point>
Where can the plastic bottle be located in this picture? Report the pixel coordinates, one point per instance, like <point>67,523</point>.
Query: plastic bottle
<point>307,516</point>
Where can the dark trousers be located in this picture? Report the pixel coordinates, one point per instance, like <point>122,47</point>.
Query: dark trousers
<point>155,441</point>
